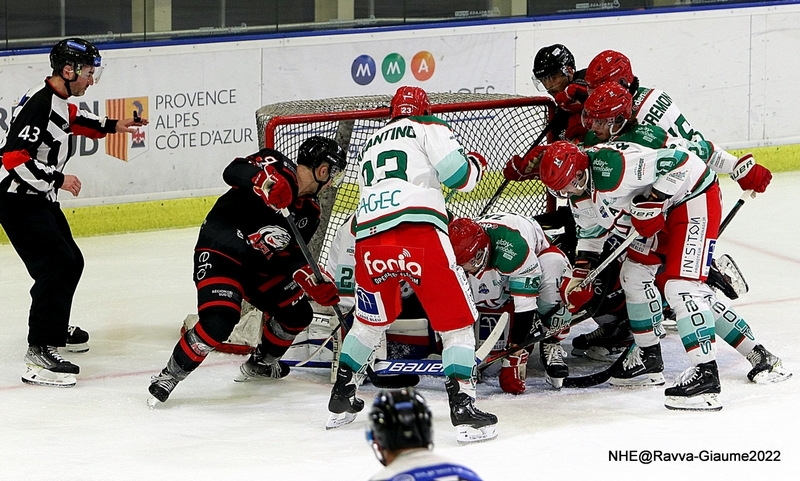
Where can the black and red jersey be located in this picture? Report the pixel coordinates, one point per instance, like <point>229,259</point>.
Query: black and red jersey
<point>242,225</point>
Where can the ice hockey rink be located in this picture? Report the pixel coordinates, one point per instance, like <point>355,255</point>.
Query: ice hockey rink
<point>137,288</point>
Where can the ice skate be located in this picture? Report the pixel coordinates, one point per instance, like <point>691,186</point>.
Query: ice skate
<point>45,367</point>
<point>695,389</point>
<point>472,424</point>
<point>552,355</point>
<point>77,339</point>
<point>767,367</point>
<point>262,366</point>
<point>161,386</point>
<point>344,405</point>
<point>605,343</point>
<point>641,366</point>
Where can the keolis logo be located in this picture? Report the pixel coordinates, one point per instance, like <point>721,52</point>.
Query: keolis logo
<point>393,68</point>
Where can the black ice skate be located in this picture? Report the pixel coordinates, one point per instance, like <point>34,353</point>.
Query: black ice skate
<point>695,389</point>
<point>262,366</point>
<point>161,385</point>
<point>344,405</point>
<point>77,339</point>
<point>641,366</point>
<point>551,354</point>
<point>472,424</point>
<point>605,343</point>
<point>45,367</point>
<point>767,367</point>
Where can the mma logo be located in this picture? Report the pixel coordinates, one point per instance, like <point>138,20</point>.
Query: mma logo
<point>364,68</point>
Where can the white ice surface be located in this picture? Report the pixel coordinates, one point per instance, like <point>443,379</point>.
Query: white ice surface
<point>137,288</point>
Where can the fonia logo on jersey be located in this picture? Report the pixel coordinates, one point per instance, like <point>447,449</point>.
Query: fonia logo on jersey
<point>393,67</point>
<point>120,145</point>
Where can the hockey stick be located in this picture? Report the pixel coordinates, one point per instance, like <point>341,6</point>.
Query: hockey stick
<point>386,381</point>
<point>434,367</point>
<point>604,375</point>
<point>318,275</point>
<point>735,209</point>
<point>505,183</point>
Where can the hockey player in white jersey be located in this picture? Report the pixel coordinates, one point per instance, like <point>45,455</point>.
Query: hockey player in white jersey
<point>401,235</point>
<point>655,107</point>
<point>509,259</point>
<point>401,435</point>
<point>671,198</point>
<point>608,113</point>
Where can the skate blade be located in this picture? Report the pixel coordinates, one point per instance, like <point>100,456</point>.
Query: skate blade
<point>77,347</point>
<point>702,402</point>
<point>556,382</point>
<point>44,377</point>
<point>778,374</point>
<point>152,402</point>
<point>466,434</point>
<point>653,379</point>
<point>604,355</point>
<point>338,420</point>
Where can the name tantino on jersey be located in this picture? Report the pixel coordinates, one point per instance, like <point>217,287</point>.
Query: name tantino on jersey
<point>385,263</point>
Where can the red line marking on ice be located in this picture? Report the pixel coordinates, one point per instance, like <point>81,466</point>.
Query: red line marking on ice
<point>82,379</point>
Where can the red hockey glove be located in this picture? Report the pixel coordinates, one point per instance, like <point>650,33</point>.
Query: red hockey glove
<point>751,175</point>
<point>647,216</point>
<point>273,188</point>
<point>572,98</point>
<point>573,295</point>
<point>478,161</point>
<point>513,372</point>
<point>524,168</point>
<point>323,293</point>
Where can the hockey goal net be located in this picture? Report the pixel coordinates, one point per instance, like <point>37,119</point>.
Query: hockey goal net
<point>498,126</point>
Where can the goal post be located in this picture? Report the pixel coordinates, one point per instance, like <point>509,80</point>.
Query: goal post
<point>495,125</point>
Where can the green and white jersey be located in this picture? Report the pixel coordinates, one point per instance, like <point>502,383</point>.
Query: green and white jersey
<point>402,168</point>
<point>655,107</point>
<point>620,171</point>
<point>513,268</point>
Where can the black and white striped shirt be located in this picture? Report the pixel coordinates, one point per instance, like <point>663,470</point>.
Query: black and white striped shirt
<point>37,146</point>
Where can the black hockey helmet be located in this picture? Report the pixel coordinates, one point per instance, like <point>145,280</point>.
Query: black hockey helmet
<point>552,59</point>
<point>399,419</point>
<point>316,150</point>
<point>75,52</point>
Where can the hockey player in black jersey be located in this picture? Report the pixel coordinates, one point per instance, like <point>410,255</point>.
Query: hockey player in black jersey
<point>36,151</point>
<point>246,251</point>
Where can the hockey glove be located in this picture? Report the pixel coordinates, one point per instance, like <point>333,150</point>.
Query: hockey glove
<point>751,175</point>
<point>478,161</point>
<point>513,372</point>
<point>573,295</point>
<point>572,98</point>
<point>323,293</point>
<point>575,131</point>
<point>524,168</point>
<point>273,188</point>
<point>647,216</point>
